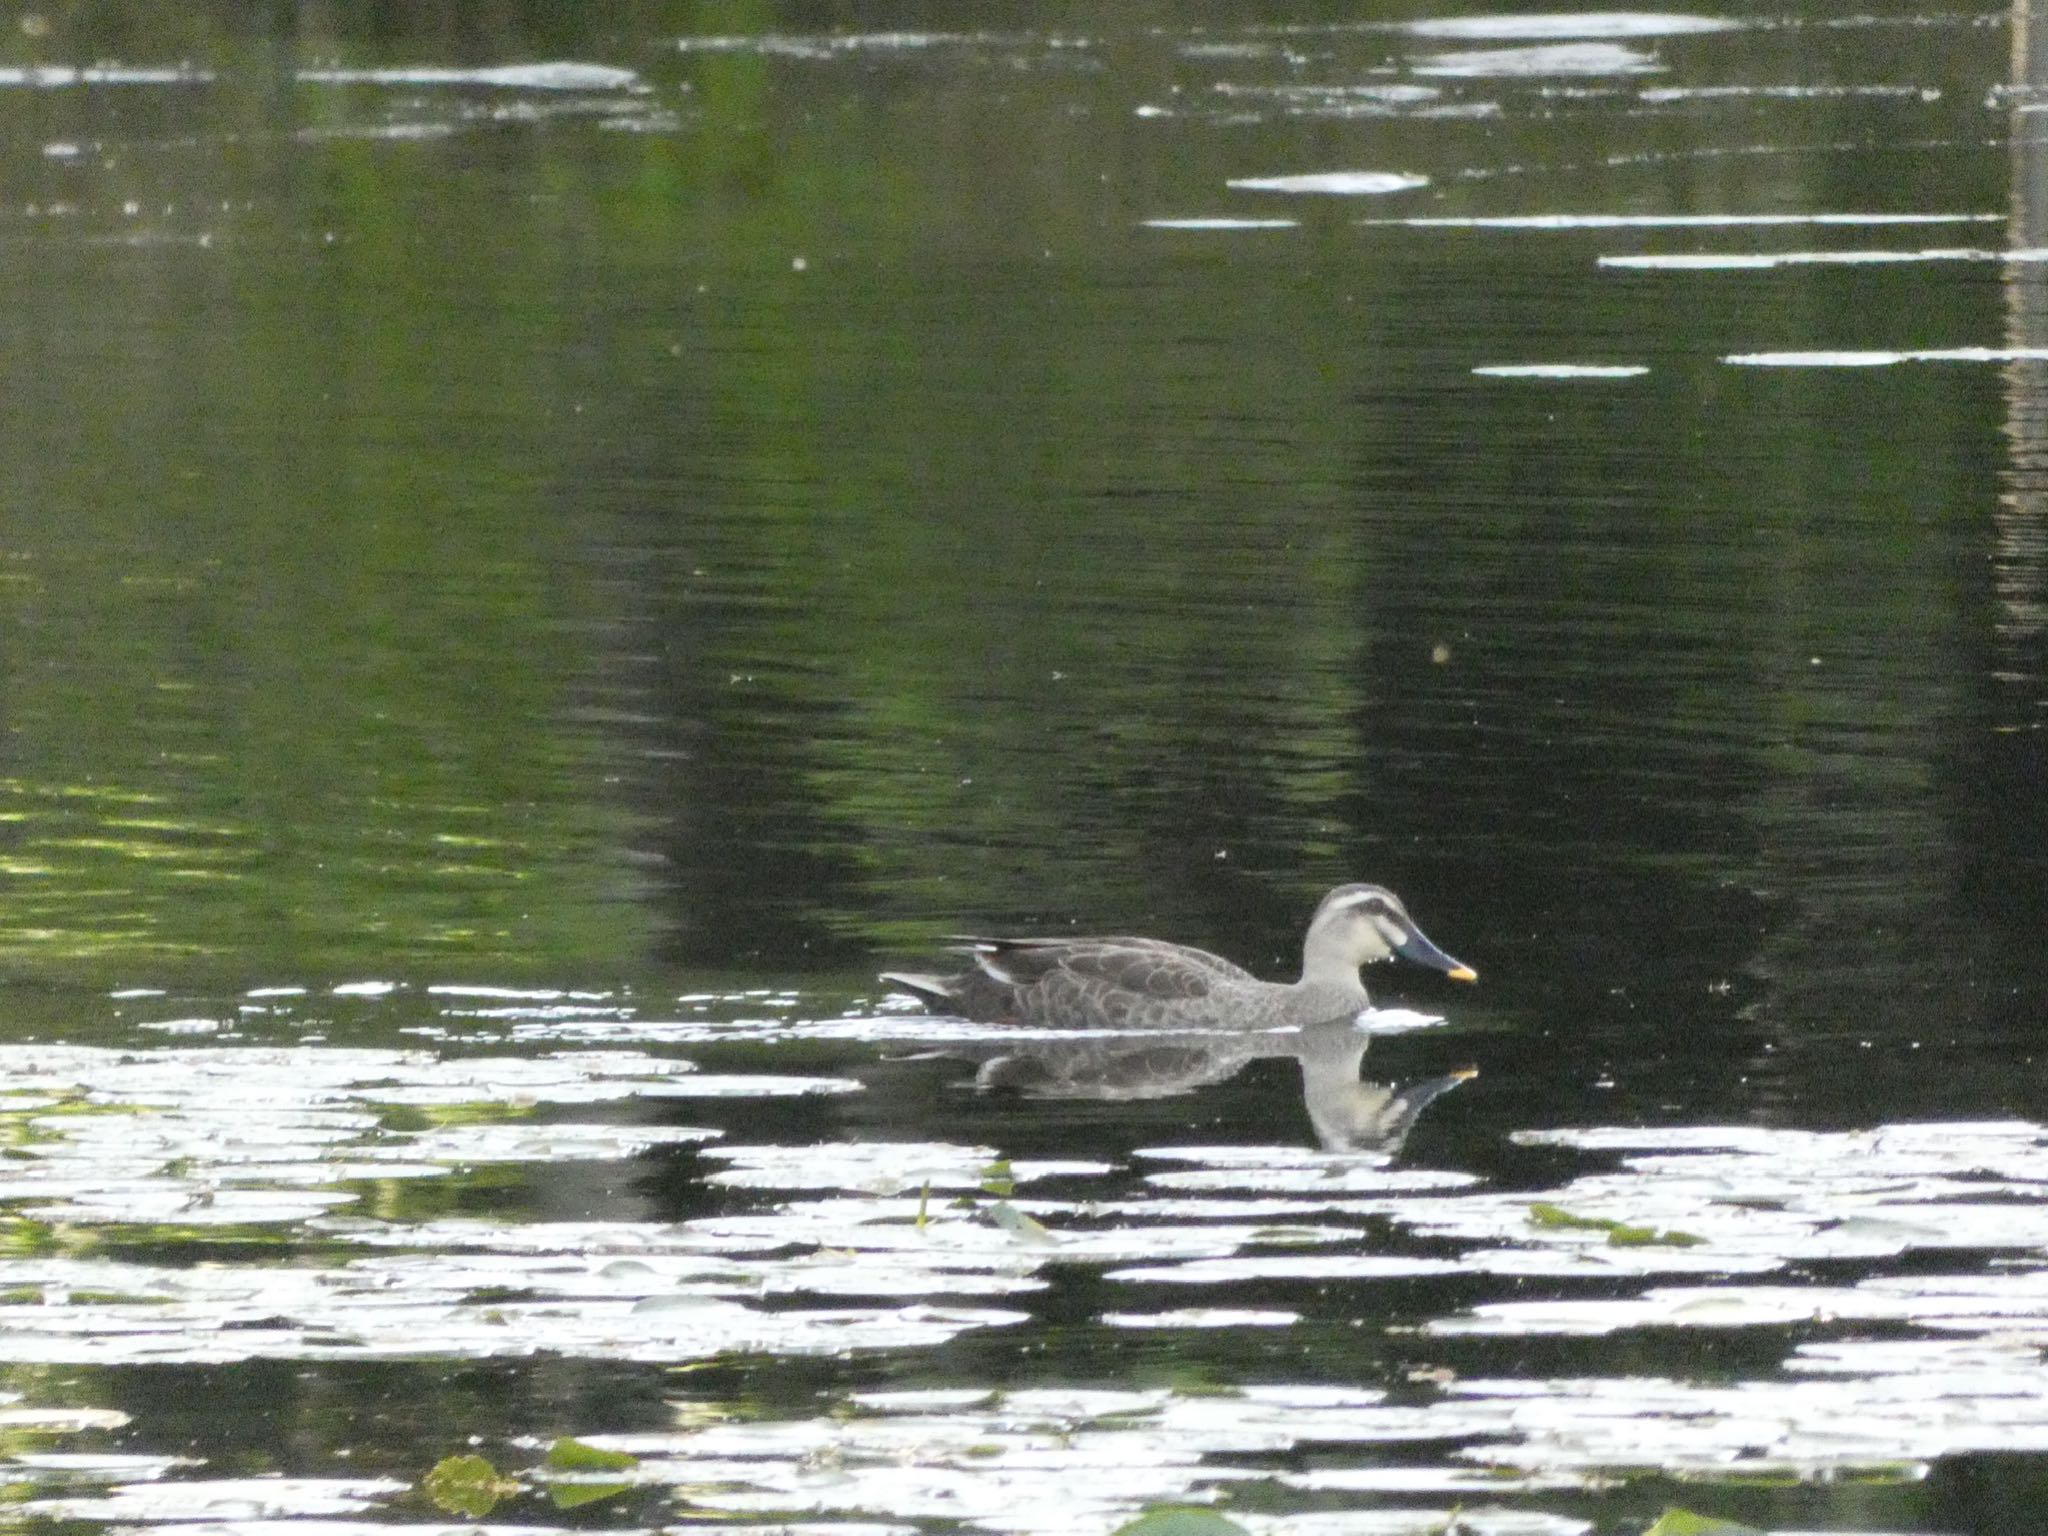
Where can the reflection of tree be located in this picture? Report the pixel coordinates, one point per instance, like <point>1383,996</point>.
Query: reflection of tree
<point>290,690</point>
<point>548,572</point>
<point>2006,761</point>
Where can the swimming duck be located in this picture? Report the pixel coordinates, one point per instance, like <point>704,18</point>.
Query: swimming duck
<point>1148,984</point>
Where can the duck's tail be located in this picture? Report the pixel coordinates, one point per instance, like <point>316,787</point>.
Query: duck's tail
<point>932,991</point>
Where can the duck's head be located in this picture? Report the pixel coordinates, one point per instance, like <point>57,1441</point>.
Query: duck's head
<point>1359,924</point>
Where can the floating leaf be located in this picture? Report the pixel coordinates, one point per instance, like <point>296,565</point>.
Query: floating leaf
<point>467,1485</point>
<point>1619,1233</point>
<point>1180,1520</point>
<point>1544,1214</point>
<point>1639,1237</point>
<point>1683,1522</point>
<point>576,1495</point>
<point>567,1455</point>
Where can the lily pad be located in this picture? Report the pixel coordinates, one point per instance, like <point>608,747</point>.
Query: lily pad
<point>467,1485</point>
<point>567,1455</point>
<point>1683,1522</point>
<point>1181,1520</point>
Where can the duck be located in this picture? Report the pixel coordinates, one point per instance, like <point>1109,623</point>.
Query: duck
<point>1133,984</point>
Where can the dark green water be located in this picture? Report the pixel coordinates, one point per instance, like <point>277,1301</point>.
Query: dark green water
<point>697,523</point>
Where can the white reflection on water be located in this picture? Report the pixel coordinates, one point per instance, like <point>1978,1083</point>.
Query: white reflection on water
<point>1221,224</point>
<point>1566,221</point>
<point>1333,183</point>
<point>827,45</point>
<point>1852,358</point>
<point>1540,60</point>
<point>226,1136</point>
<point>1583,24</point>
<point>1741,261</point>
<point>1662,94</point>
<point>246,1498</point>
<point>886,1167</point>
<point>831,1247</point>
<point>1561,370</point>
<point>556,76</point>
<point>1072,1459</point>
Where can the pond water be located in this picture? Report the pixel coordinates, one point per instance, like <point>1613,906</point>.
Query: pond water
<point>540,548</point>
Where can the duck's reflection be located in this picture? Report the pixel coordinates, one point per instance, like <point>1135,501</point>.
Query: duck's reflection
<point>1347,1113</point>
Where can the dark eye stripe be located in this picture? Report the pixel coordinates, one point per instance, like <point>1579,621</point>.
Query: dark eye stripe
<point>1377,906</point>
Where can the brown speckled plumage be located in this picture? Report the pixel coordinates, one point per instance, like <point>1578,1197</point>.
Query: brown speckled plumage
<point>1148,984</point>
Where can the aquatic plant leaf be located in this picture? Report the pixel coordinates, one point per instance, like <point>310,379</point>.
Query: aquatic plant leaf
<point>1620,1233</point>
<point>576,1495</point>
<point>567,1455</point>
<point>1683,1522</point>
<point>467,1485</point>
<point>1181,1520</point>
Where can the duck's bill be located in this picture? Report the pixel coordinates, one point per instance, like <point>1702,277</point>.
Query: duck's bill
<point>1422,952</point>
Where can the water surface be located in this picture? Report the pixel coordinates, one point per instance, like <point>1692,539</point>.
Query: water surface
<point>541,552</point>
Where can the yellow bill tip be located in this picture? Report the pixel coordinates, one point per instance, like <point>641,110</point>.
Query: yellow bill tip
<point>1463,973</point>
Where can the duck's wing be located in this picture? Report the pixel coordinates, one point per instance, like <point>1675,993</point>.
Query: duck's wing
<point>1144,967</point>
<point>1111,983</point>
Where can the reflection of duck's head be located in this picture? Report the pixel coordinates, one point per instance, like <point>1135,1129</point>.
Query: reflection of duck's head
<point>1356,925</point>
<point>1351,1115</point>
